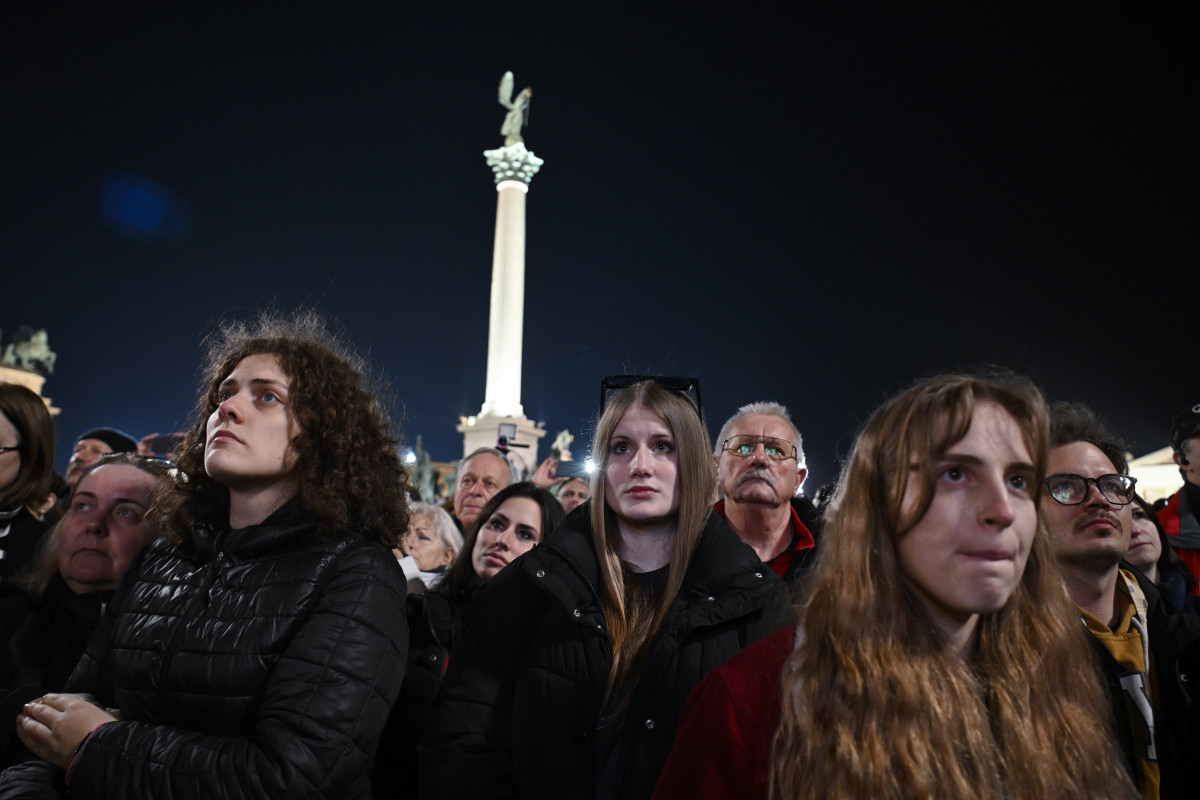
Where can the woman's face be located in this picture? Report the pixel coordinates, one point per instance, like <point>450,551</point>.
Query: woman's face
<point>515,528</point>
<point>105,527</point>
<point>249,436</point>
<point>1144,545</point>
<point>428,549</point>
<point>966,555</point>
<point>642,470</point>
<point>10,460</point>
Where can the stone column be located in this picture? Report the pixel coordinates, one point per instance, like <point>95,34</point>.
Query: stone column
<point>514,168</point>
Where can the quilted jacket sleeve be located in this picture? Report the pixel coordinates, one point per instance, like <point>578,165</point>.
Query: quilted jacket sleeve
<point>319,720</point>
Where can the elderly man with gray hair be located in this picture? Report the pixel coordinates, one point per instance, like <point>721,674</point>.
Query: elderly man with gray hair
<point>760,467</point>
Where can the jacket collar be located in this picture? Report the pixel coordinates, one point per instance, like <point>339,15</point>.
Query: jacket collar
<point>284,525</point>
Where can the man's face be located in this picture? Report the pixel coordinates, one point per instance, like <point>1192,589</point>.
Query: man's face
<point>1188,459</point>
<point>87,451</point>
<point>573,494</point>
<point>478,479</point>
<point>1096,532</point>
<point>756,478</point>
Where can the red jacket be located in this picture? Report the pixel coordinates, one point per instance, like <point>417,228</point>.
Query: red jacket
<point>723,743</point>
<point>1168,517</point>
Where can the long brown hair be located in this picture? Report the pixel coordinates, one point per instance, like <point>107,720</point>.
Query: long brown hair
<point>632,624</point>
<point>348,465</point>
<point>875,705</point>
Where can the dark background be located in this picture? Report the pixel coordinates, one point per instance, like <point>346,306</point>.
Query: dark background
<point>814,203</point>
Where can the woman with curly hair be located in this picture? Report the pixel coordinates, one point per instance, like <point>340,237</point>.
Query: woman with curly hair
<point>937,653</point>
<point>255,651</point>
<point>573,663</point>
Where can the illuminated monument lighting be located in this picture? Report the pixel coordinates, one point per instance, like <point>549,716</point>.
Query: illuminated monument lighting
<point>514,168</point>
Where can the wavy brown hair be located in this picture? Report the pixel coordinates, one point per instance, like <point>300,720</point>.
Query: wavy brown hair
<point>348,469</point>
<point>633,623</point>
<point>28,414</point>
<point>875,705</point>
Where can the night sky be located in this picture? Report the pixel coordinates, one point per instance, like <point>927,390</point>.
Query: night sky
<point>814,204</point>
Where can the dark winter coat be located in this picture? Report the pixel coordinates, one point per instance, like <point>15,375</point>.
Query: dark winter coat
<point>258,663</point>
<point>433,621</point>
<point>41,640</point>
<point>520,712</point>
<point>22,535</point>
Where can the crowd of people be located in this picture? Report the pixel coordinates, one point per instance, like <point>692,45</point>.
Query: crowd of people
<point>259,607</point>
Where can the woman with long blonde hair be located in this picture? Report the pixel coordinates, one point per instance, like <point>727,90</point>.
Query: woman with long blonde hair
<point>572,665</point>
<point>937,654</point>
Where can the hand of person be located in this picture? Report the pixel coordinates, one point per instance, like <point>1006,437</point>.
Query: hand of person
<point>544,477</point>
<point>55,725</point>
<point>143,445</point>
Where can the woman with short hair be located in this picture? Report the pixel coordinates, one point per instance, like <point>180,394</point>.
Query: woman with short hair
<point>428,546</point>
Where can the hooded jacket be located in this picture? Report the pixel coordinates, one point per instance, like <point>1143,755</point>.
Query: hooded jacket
<point>255,663</point>
<point>520,711</point>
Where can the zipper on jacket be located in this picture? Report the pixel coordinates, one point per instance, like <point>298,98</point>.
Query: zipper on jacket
<point>211,568</point>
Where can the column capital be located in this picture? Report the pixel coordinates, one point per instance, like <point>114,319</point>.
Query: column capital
<point>513,163</point>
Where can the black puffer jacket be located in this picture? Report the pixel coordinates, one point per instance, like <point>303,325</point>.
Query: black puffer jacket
<point>259,664</point>
<point>520,708</point>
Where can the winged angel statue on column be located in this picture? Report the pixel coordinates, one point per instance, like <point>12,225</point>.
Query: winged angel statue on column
<point>518,110</point>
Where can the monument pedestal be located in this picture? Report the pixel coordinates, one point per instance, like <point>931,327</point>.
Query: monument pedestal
<point>483,430</point>
<point>33,381</point>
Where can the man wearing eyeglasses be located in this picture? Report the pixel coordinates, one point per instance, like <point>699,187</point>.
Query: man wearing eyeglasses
<point>760,467</point>
<point>1146,653</point>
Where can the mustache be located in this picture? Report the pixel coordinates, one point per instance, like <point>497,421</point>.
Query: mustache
<point>1083,522</point>
<point>757,474</point>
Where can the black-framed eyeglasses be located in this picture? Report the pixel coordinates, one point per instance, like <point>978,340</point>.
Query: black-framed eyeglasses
<point>1071,490</point>
<point>674,383</point>
<point>745,445</point>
